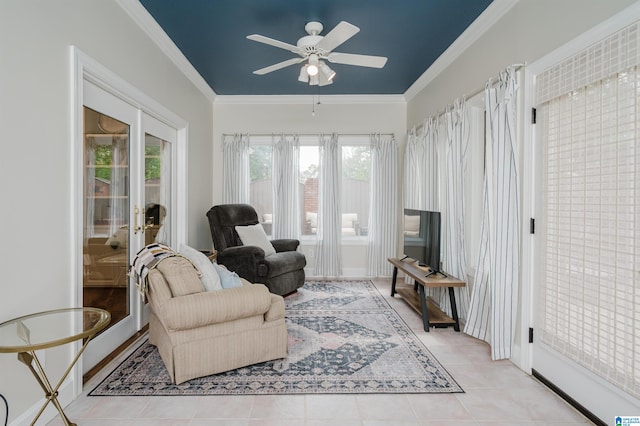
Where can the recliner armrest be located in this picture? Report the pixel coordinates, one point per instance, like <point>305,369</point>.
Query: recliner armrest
<point>213,307</point>
<point>241,251</point>
<point>285,244</point>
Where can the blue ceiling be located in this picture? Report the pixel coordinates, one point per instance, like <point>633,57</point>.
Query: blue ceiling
<point>212,36</point>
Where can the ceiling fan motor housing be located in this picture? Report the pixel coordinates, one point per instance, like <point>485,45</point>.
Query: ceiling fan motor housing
<point>313,28</point>
<point>308,43</point>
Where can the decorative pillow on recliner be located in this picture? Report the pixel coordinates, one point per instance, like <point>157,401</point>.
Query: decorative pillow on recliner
<point>208,274</point>
<point>181,276</point>
<point>254,235</point>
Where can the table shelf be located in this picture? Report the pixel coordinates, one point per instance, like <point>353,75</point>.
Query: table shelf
<point>432,315</point>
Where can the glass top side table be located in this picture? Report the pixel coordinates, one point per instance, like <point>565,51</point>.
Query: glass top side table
<point>42,330</point>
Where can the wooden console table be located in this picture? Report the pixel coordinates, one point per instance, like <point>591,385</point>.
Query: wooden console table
<point>432,315</point>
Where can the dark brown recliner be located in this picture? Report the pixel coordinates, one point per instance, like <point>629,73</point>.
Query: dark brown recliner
<point>282,272</point>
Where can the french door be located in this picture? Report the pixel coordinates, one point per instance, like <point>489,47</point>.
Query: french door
<point>128,186</point>
<point>587,268</point>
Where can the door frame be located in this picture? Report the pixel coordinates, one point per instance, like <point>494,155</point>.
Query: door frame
<point>85,68</point>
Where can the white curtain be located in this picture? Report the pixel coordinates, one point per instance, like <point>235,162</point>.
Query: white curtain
<point>118,211</point>
<point>429,198</point>
<point>89,187</point>
<point>328,247</point>
<point>286,194</point>
<point>421,175</point>
<point>492,313</point>
<point>454,257</point>
<point>421,167</point>
<point>382,239</point>
<point>235,170</point>
<point>413,170</point>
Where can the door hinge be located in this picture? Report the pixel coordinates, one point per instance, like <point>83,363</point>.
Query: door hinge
<point>530,334</point>
<point>532,226</point>
<point>533,116</point>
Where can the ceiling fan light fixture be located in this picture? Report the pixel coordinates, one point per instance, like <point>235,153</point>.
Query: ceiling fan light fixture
<point>327,71</point>
<point>304,76</point>
<point>313,80</point>
<point>312,68</point>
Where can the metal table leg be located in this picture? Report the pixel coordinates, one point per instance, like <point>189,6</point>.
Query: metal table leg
<point>51,393</point>
<point>423,306</point>
<point>393,281</point>
<point>454,309</point>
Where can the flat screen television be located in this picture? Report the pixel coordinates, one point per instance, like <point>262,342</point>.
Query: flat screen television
<point>422,238</point>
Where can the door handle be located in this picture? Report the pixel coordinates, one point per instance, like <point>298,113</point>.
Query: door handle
<point>136,227</point>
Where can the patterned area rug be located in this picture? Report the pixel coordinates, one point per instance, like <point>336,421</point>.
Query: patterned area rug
<point>343,338</point>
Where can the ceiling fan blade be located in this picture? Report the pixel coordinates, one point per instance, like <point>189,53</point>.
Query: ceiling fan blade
<point>338,35</point>
<point>359,60</point>
<point>275,43</point>
<point>278,66</point>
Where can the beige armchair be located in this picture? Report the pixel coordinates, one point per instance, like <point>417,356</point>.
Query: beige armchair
<point>208,332</point>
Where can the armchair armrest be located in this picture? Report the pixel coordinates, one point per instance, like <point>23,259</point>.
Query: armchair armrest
<point>285,245</point>
<point>212,307</point>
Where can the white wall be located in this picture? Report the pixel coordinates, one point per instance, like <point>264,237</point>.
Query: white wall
<point>35,164</point>
<point>260,115</point>
<point>528,31</point>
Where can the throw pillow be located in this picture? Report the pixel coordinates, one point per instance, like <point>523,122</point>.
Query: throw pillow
<point>228,279</point>
<point>181,276</point>
<point>254,235</point>
<point>208,274</point>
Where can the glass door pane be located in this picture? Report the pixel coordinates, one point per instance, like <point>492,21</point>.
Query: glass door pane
<point>106,214</point>
<point>157,190</point>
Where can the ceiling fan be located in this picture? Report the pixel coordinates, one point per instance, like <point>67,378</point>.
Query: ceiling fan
<point>316,49</point>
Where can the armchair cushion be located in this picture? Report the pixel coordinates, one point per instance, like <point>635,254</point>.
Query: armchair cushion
<point>254,235</point>
<point>283,262</point>
<point>181,276</point>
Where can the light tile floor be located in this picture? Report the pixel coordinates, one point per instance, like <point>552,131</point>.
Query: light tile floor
<point>496,393</point>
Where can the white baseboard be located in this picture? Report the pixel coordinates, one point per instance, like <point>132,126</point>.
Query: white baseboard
<point>346,273</point>
<point>65,396</point>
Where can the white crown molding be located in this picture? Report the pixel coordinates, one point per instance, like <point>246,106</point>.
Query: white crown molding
<point>305,99</point>
<point>145,21</point>
<point>496,10</point>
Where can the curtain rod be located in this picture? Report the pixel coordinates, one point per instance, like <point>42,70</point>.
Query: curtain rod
<point>516,67</point>
<point>224,135</point>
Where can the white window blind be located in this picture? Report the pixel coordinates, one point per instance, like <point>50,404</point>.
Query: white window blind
<point>589,109</point>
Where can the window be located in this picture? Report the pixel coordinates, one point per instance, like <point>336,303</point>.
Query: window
<point>309,166</point>
<point>356,171</point>
<point>260,189</point>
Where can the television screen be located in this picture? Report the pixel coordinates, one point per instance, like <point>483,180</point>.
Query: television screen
<point>422,238</point>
